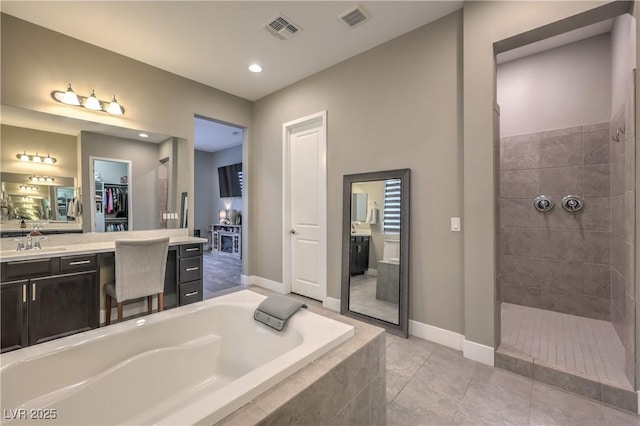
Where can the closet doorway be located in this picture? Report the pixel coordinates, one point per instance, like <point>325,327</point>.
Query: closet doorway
<point>110,198</point>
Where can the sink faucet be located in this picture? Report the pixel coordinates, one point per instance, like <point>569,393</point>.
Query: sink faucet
<point>29,245</point>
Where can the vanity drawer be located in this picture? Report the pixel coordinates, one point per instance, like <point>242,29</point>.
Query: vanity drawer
<point>27,268</point>
<point>78,263</point>
<point>188,250</point>
<point>190,269</point>
<point>190,292</point>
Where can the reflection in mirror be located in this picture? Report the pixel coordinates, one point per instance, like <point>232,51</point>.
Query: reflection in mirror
<point>23,198</point>
<point>375,242</point>
<point>159,171</point>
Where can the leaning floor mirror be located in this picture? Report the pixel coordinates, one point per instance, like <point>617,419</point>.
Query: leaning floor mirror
<point>375,249</point>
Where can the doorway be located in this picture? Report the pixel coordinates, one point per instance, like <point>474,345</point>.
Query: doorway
<point>220,201</point>
<point>567,213</point>
<point>305,206</point>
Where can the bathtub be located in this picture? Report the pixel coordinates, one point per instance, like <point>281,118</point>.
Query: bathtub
<point>190,365</point>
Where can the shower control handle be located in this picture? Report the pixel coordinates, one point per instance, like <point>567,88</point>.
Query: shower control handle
<point>572,203</point>
<point>543,203</point>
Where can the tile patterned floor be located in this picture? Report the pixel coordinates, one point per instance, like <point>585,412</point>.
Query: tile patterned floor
<point>219,272</point>
<point>363,300</point>
<point>429,384</point>
<point>575,344</point>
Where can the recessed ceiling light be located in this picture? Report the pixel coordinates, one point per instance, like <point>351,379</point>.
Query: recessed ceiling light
<point>255,68</point>
<point>143,135</point>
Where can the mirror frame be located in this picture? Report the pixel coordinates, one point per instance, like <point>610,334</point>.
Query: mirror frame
<point>402,328</point>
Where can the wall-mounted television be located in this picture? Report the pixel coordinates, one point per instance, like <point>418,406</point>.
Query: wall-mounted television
<point>230,180</point>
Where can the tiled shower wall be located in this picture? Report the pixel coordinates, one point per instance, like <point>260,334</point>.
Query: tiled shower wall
<point>622,153</point>
<point>557,261</point>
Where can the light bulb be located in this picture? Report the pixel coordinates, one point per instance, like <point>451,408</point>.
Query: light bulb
<point>92,102</point>
<point>70,97</point>
<point>36,159</point>
<point>114,107</point>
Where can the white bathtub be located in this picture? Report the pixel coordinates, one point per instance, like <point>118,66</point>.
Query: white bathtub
<point>190,365</point>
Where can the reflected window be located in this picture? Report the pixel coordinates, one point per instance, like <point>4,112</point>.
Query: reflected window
<point>391,209</point>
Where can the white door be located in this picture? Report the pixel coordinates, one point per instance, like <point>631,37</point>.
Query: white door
<point>305,195</point>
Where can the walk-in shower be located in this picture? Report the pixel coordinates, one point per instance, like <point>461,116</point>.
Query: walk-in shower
<point>566,217</point>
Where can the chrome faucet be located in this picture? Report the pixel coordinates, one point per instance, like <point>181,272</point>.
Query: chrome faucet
<point>29,245</point>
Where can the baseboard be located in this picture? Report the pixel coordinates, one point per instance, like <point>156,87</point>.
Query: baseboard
<point>438,335</point>
<point>638,402</point>
<point>478,352</point>
<point>331,303</point>
<point>245,279</point>
<point>268,284</point>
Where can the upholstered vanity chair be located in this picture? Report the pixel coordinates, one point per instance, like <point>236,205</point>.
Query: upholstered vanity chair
<point>139,270</point>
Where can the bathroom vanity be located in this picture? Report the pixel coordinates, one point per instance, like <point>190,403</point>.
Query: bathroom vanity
<point>55,292</point>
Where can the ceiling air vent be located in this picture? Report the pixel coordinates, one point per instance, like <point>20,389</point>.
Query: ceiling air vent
<point>354,16</point>
<point>282,28</point>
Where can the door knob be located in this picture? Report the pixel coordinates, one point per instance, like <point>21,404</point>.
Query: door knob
<point>292,232</point>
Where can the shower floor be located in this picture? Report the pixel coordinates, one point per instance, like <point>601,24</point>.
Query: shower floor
<point>584,346</point>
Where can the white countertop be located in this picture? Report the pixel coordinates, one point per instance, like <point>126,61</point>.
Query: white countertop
<point>75,244</point>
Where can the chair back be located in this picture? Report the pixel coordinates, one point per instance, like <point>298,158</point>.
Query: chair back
<point>140,267</point>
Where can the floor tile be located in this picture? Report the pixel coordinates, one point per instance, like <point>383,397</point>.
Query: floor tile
<point>550,406</point>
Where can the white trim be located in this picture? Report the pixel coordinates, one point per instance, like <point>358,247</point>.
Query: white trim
<point>331,303</point>
<point>453,340</point>
<point>245,279</point>
<point>268,284</point>
<point>478,352</point>
<point>638,402</point>
<point>441,336</point>
<point>287,128</point>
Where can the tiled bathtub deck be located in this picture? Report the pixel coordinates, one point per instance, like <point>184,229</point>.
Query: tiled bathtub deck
<point>579,354</point>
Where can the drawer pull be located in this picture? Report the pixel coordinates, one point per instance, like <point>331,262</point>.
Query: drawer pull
<point>33,292</point>
<point>193,249</point>
<point>24,293</point>
<point>79,262</point>
<point>193,268</point>
<point>191,293</point>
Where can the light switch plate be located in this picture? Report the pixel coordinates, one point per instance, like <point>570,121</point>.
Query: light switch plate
<point>455,224</point>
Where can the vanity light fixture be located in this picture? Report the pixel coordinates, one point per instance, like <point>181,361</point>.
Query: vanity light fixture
<point>29,187</point>
<point>36,158</point>
<point>69,97</point>
<point>48,179</point>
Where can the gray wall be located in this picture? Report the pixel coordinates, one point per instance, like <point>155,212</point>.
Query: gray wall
<point>394,106</point>
<point>144,159</point>
<point>207,190</point>
<point>574,79</point>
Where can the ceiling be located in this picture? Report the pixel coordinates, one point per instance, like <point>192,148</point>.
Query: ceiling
<point>214,42</point>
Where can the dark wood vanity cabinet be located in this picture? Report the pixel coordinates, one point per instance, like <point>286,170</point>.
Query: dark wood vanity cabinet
<point>183,275</point>
<point>13,312</point>
<point>190,274</point>
<point>359,256</point>
<point>44,299</point>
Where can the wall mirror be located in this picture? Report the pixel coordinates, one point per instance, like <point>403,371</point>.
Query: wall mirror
<point>375,249</point>
<point>159,171</point>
